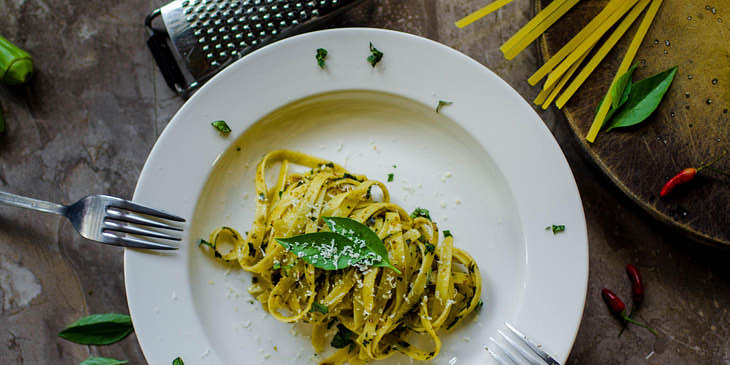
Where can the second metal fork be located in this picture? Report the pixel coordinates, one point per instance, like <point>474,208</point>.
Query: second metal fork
<point>110,220</point>
<point>524,356</point>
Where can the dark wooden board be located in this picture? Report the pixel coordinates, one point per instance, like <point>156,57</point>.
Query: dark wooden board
<point>690,126</point>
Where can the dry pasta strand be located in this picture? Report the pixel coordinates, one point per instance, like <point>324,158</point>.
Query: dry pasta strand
<point>471,18</point>
<point>623,67</point>
<point>538,25</point>
<point>601,53</point>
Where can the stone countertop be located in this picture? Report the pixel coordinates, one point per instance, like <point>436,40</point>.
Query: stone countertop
<point>88,119</point>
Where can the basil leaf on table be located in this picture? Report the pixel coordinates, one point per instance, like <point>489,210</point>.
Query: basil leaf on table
<point>98,329</point>
<point>644,98</point>
<point>619,94</point>
<point>102,361</point>
<point>361,234</point>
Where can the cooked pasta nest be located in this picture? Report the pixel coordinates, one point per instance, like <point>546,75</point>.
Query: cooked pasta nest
<point>378,312</point>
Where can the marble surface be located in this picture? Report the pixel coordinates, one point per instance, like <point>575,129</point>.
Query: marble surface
<point>88,119</point>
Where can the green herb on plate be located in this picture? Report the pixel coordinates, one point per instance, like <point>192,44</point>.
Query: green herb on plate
<point>421,212</point>
<point>321,56</point>
<point>375,55</point>
<point>442,103</point>
<point>390,177</point>
<point>555,228</point>
<point>321,308</point>
<point>221,126</point>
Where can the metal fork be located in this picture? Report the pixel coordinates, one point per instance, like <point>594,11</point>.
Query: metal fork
<point>524,357</point>
<point>108,219</point>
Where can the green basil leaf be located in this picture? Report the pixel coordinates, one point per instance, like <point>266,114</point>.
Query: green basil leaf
<point>178,361</point>
<point>102,361</point>
<point>617,91</point>
<point>326,250</point>
<point>98,329</point>
<point>612,110</point>
<point>363,237</point>
<point>644,98</point>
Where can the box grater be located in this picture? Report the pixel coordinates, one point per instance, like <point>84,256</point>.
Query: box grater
<point>201,37</point>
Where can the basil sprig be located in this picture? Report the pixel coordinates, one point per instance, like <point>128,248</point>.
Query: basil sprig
<point>350,243</point>
<point>178,361</point>
<point>98,329</point>
<point>102,361</point>
<point>638,100</point>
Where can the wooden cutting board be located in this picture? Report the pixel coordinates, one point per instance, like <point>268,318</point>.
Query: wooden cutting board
<point>691,125</point>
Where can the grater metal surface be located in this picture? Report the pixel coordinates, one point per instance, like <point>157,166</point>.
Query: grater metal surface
<point>201,37</point>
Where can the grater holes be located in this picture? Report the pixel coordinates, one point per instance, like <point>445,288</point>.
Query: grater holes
<point>278,16</point>
<point>185,3</point>
<point>266,17</point>
<point>315,12</point>
<point>269,25</point>
<point>311,4</point>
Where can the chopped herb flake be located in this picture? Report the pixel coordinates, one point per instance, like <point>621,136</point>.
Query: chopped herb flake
<point>442,103</point>
<point>330,165</point>
<point>394,166</point>
<point>421,212</point>
<point>204,242</point>
<point>555,228</point>
<point>262,197</point>
<point>430,248</point>
<point>447,233</point>
<point>390,177</point>
<point>221,126</point>
<point>280,192</point>
<point>342,338</point>
<point>316,307</point>
<point>375,55</point>
<point>321,56</point>
<point>479,305</point>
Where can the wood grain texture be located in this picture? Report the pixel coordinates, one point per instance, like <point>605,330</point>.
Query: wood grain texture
<point>691,125</point>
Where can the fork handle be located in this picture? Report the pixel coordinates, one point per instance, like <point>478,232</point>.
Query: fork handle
<point>30,203</point>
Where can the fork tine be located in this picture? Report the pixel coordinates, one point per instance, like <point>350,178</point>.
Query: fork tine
<point>134,207</point>
<point>504,351</point>
<point>113,225</point>
<point>519,349</point>
<point>134,242</point>
<point>499,359</point>
<point>532,345</point>
<point>138,219</point>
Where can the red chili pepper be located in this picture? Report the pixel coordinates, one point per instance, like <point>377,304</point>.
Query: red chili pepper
<point>618,308</point>
<point>686,176</point>
<point>637,286</point>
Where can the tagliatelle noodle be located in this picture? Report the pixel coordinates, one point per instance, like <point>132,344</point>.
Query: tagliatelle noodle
<point>440,285</point>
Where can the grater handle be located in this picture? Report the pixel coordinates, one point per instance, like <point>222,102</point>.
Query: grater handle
<point>157,42</point>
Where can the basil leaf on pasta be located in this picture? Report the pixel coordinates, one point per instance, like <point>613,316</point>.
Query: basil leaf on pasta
<point>327,250</point>
<point>361,234</point>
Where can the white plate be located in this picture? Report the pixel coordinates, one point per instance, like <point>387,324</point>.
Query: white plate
<point>486,167</point>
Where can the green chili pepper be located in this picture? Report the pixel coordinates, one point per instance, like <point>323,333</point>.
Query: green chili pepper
<point>16,65</point>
